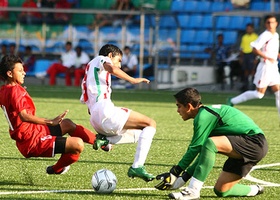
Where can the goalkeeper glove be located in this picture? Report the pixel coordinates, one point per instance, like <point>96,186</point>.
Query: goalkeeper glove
<point>168,178</point>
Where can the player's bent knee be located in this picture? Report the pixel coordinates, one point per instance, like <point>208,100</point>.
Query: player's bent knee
<point>79,146</point>
<point>259,95</point>
<point>68,124</point>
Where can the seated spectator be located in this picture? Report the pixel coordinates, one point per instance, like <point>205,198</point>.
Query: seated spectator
<point>62,17</point>
<point>4,50</point>
<point>80,65</point>
<point>67,60</point>
<point>30,17</point>
<point>123,5</point>
<point>3,14</point>
<point>115,20</point>
<point>240,4</point>
<point>28,59</point>
<point>129,62</point>
<point>12,49</point>
<point>47,17</point>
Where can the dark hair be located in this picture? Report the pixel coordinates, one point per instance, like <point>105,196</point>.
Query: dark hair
<point>110,48</point>
<point>250,25</point>
<point>8,64</point>
<point>188,95</point>
<point>269,16</point>
<point>126,48</point>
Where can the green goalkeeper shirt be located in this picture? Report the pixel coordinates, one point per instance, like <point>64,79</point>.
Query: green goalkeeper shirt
<point>207,124</point>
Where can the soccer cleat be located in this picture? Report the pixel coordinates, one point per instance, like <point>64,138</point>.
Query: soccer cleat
<point>229,102</point>
<point>50,170</point>
<point>140,172</point>
<point>185,194</point>
<point>101,142</point>
<point>261,189</point>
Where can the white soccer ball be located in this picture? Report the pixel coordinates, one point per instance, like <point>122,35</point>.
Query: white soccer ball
<point>104,181</point>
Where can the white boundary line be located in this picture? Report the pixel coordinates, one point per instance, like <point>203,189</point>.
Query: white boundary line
<point>248,177</point>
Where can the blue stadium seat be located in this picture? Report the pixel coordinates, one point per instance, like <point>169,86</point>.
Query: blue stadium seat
<point>177,6</point>
<point>195,21</point>
<point>191,6</point>
<point>237,23</point>
<point>87,46</point>
<point>168,21</point>
<point>203,37</point>
<point>207,22</point>
<point>183,20</point>
<point>187,36</point>
<point>230,37</point>
<point>204,6</point>
<point>217,6</point>
<point>223,22</point>
<point>41,66</point>
<point>257,5</point>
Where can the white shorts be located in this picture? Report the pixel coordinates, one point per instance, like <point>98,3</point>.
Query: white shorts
<point>107,119</point>
<point>267,74</point>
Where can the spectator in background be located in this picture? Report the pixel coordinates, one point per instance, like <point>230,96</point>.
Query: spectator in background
<point>247,58</point>
<point>80,65</point>
<point>50,4</point>
<point>129,62</point>
<point>123,5</point>
<point>12,49</point>
<point>221,53</point>
<point>30,17</point>
<point>67,60</point>
<point>62,17</point>
<point>4,50</point>
<point>240,4</point>
<point>28,59</point>
<point>4,14</point>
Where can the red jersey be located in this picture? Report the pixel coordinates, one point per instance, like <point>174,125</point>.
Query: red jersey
<point>14,99</point>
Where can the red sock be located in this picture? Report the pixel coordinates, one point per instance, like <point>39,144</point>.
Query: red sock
<point>65,160</point>
<point>85,134</point>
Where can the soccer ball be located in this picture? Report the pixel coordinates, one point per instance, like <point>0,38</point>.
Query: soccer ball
<point>104,181</point>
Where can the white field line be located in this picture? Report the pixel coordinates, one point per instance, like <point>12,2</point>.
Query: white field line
<point>248,177</point>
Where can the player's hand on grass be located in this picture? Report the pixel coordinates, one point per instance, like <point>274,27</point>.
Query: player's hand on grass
<point>168,178</point>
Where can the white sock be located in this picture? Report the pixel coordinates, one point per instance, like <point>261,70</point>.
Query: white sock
<point>277,100</point>
<point>254,190</point>
<point>248,95</point>
<point>195,185</point>
<point>143,146</point>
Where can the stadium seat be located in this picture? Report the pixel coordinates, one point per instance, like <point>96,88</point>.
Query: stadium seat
<point>177,6</point>
<point>183,20</point>
<point>202,36</point>
<point>237,23</point>
<point>230,37</point>
<point>217,6</point>
<point>41,66</point>
<point>207,22</point>
<point>223,22</point>
<point>187,36</point>
<point>163,5</point>
<point>204,6</point>
<point>168,21</point>
<point>258,6</point>
<point>87,46</point>
<point>195,21</point>
<point>191,6</point>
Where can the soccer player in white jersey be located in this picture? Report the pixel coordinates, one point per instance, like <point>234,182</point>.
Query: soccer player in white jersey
<point>267,74</point>
<point>117,124</point>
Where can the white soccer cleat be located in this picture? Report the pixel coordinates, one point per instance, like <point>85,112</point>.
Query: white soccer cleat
<point>186,194</point>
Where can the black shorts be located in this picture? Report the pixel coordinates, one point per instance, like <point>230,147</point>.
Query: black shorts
<point>252,148</point>
<point>60,142</point>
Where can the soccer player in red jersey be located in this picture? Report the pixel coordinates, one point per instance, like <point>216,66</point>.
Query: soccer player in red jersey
<point>36,136</point>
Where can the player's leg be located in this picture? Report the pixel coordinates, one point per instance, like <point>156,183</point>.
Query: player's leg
<point>70,149</point>
<point>139,121</point>
<point>276,90</point>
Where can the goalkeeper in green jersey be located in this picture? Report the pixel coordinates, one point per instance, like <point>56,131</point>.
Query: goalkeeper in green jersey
<point>217,129</point>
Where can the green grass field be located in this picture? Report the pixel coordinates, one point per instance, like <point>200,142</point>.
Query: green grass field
<point>22,178</point>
